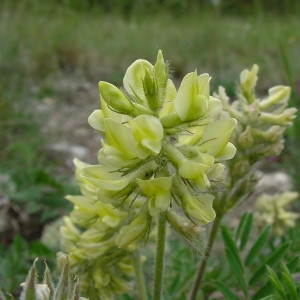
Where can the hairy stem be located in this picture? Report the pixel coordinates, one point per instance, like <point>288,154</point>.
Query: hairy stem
<point>140,279</point>
<point>160,254</point>
<point>207,253</point>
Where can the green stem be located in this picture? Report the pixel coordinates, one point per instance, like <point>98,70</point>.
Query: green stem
<point>160,254</point>
<point>207,253</point>
<point>140,279</point>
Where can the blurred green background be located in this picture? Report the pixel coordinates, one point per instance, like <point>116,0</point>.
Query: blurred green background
<point>53,53</point>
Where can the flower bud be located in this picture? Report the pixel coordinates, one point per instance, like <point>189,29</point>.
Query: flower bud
<point>245,138</point>
<point>272,134</point>
<point>247,82</point>
<point>241,167</point>
<point>161,70</point>
<point>277,95</point>
<point>283,119</point>
<point>115,98</point>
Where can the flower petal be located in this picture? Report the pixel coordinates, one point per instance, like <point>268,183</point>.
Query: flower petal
<point>199,209</point>
<point>134,78</point>
<point>191,101</point>
<point>148,133</point>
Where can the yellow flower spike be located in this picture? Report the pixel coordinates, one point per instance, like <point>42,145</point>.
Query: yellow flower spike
<point>148,133</point>
<point>215,140</point>
<point>277,95</point>
<point>199,209</point>
<point>158,191</point>
<point>272,210</point>
<point>130,235</point>
<point>134,79</point>
<point>191,101</point>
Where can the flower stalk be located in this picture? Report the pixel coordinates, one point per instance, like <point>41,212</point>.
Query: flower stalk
<point>160,254</point>
<point>139,275</point>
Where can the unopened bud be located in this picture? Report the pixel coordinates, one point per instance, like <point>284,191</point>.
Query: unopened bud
<point>245,139</point>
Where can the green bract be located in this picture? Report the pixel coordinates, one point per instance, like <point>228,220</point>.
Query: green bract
<point>162,151</point>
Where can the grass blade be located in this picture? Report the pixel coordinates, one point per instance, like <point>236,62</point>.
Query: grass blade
<point>289,283</point>
<point>257,246</point>
<point>271,261</point>
<point>233,257</point>
<point>241,225</point>
<point>232,248</point>
<point>227,293</point>
<point>244,229</point>
<point>266,289</point>
<point>276,282</point>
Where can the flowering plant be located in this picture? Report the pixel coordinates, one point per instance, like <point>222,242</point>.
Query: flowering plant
<point>167,157</point>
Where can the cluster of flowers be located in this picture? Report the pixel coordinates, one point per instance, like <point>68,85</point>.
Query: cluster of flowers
<point>161,151</point>
<point>259,131</point>
<point>272,210</point>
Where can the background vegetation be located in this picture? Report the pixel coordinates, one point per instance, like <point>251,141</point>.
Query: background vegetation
<point>45,42</point>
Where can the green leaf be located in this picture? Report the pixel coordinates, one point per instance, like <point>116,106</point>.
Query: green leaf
<point>237,271</point>
<point>257,246</point>
<point>294,265</point>
<point>263,292</point>
<point>289,283</point>
<point>228,239</point>
<point>244,229</point>
<point>266,289</point>
<point>227,293</point>
<point>232,254</point>
<point>276,282</point>
<point>271,261</point>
